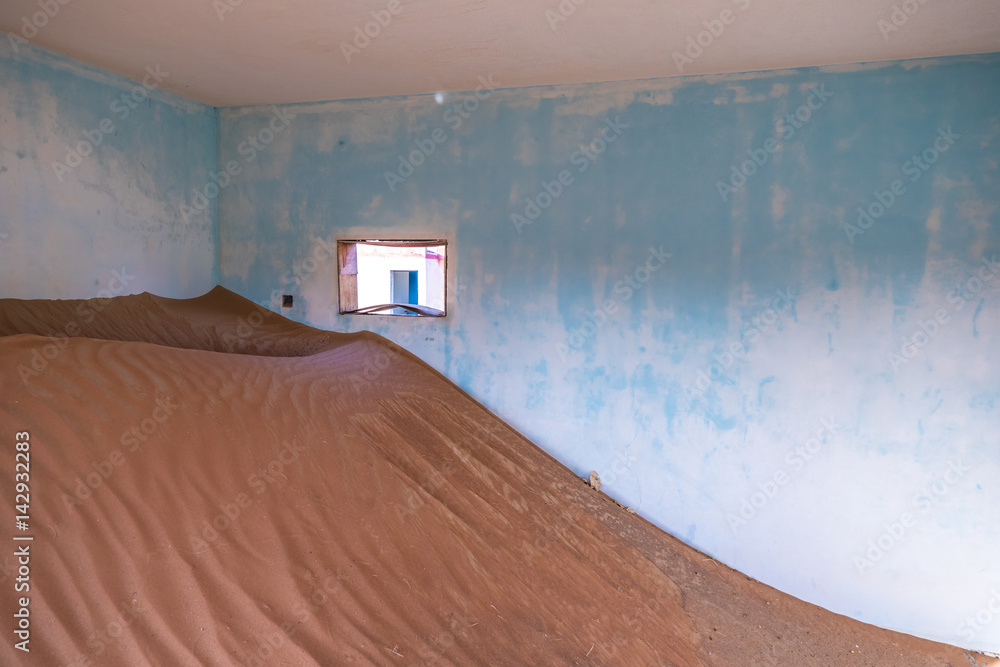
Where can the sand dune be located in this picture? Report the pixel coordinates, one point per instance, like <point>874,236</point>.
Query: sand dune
<point>212,484</point>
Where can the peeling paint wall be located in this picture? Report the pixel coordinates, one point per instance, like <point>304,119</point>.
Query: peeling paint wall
<point>694,306</point>
<point>94,169</point>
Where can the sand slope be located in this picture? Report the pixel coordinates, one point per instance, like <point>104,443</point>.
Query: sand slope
<point>212,484</point>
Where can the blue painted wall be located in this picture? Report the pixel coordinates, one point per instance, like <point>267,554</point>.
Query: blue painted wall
<point>94,169</point>
<point>802,389</point>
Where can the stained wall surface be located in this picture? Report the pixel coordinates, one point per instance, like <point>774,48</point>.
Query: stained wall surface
<point>763,307</point>
<point>97,181</point>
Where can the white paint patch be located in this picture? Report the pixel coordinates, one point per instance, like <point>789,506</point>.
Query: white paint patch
<point>328,137</point>
<point>845,144</point>
<point>869,66</point>
<point>934,220</point>
<point>741,95</point>
<point>237,256</point>
<point>373,208</point>
<point>619,216</point>
<point>778,197</point>
<point>657,98</point>
<point>528,152</point>
<point>977,213</point>
<point>590,105</point>
<point>779,90</point>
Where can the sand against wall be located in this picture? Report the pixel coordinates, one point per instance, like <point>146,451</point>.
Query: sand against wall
<point>212,484</point>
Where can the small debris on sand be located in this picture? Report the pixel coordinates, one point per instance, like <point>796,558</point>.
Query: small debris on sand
<point>595,481</point>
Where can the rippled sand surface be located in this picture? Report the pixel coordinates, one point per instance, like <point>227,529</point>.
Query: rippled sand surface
<point>213,484</point>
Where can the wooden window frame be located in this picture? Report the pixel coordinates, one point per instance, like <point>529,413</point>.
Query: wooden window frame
<point>347,274</point>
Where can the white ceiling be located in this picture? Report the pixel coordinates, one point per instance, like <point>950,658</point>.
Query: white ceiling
<point>273,51</point>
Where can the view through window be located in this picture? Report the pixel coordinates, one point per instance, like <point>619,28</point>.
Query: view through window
<point>392,277</point>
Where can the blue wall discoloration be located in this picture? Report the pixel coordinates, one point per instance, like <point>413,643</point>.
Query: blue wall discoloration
<point>641,381</point>
<point>69,228</point>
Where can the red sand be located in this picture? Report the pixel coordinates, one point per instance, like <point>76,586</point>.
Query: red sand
<point>212,484</point>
